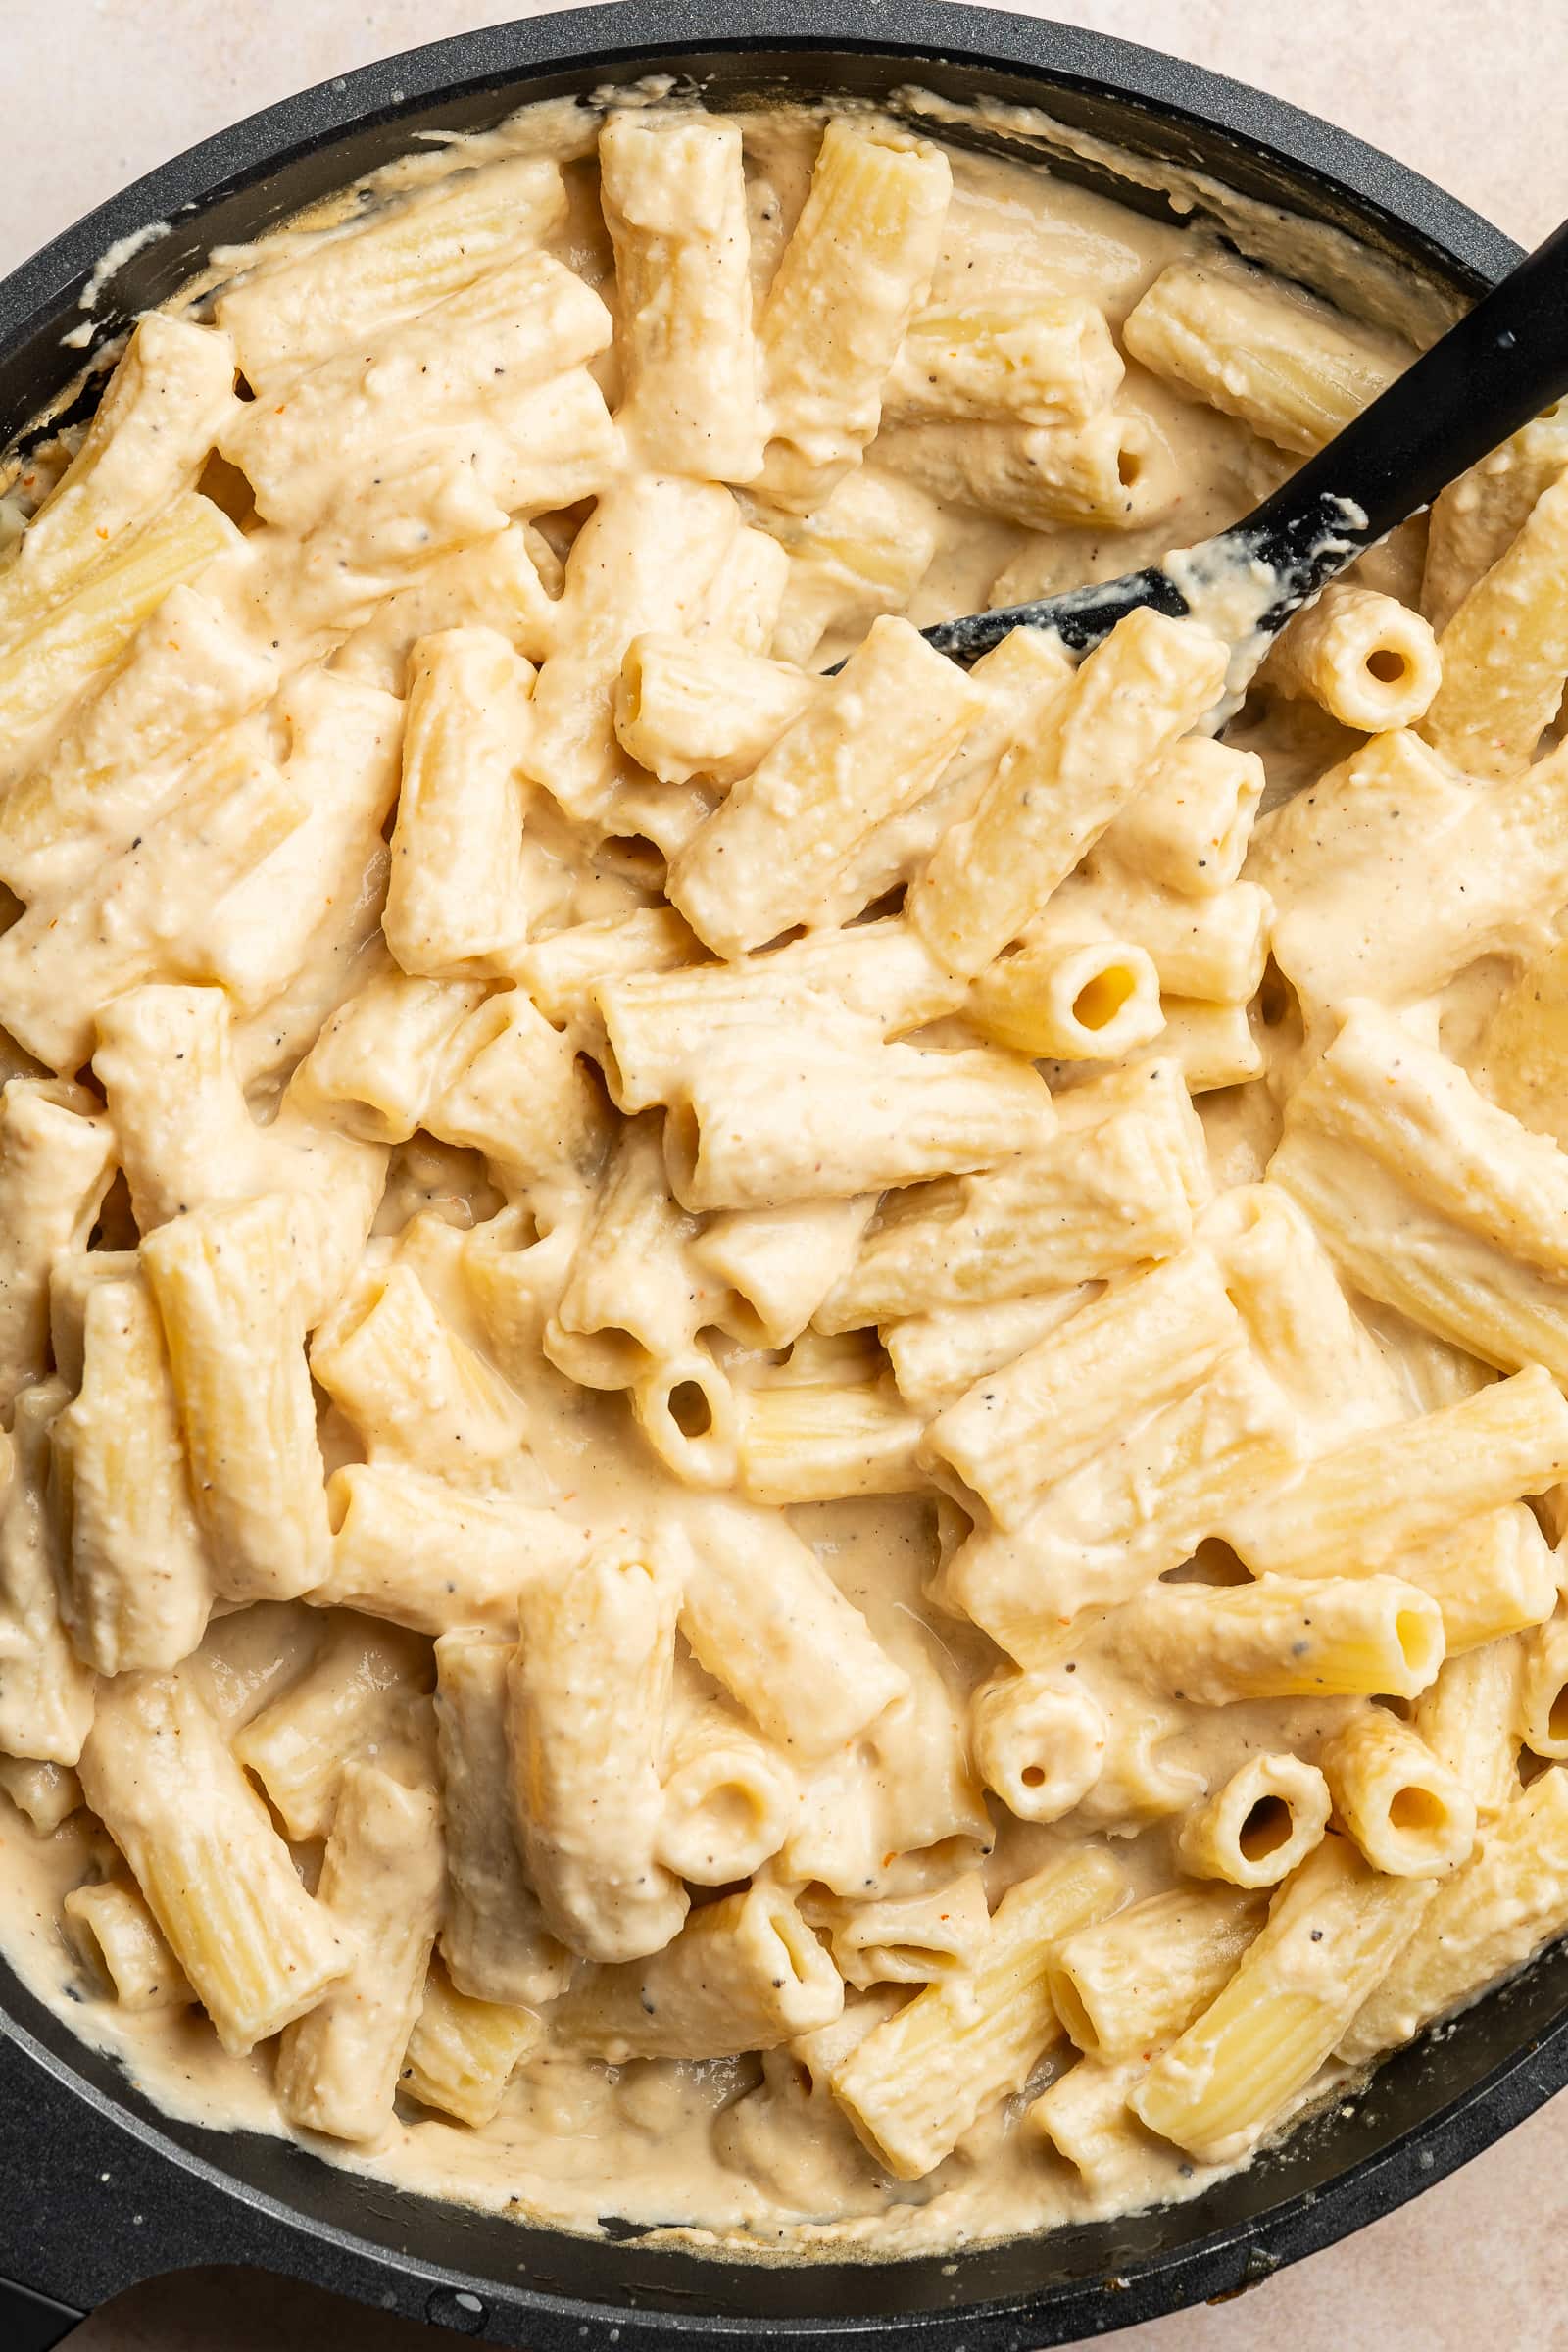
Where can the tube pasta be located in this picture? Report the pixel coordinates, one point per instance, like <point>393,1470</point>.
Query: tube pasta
<point>1542,1699</point>
<point>1383,1496</point>
<point>1408,1814</point>
<point>46,1692</point>
<point>1404,938</point>
<point>116,1935</point>
<point>1127,1983</point>
<point>1453,1220</point>
<point>508,582</point>
<point>1468,1719</point>
<point>287,318</point>
<point>589,1692</point>
<point>674,200</point>
<point>1138,1508</point>
<point>1188,829</point>
<point>56,1163</point>
<point>744,1973</point>
<point>648,557</point>
<point>1040,1743</point>
<point>853,274</point>
<point>188,675</point>
<point>154,428</point>
<point>135,1587</point>
<point>685,709</point>
<point>1366,658</point>
<point>527,321</point>
<point>493,1939</point>
<point>781,1264</point>
<point>1504,654</point>
<point>381,1881</point>
<point>1288,367</point>
<point>1114,470</point>
<point>935,1357</point>
<point>1094,1001</point>
<point>869,746</point>
<point>728,1800</point>
<point>1130,702</point>
<point>454,901</point>
<point>632,1300</point>
<point>913,2086</point>
<point>861,553</point>
<point>1475,519</point>
<point>1258,1825</point>
<point>766,1620</point>
<point>1333,1930</point>
<point>909,1940</point>
<point>46,1794</point>
<point>1082,2117</point>
<point>1484,1919</point>
<point>1139,1347</point>
<point>462,2053</point>
<point>224,1284</point>
<point>812,1442</point>
<point>59,965</point>
<point>409,1547</point>
<point>1040,359</point>
<point>783,1118</point>
<point>218,1878</point>
<point>881,972</point>
<point>412,1385</point>
<point>1278,1639</point>
<point>347,1707</point>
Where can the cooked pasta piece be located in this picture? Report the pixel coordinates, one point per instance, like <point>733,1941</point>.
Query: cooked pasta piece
<point>1258,1825</point>
<point>744,1973</point>
<point>427,1556</point>
<point>590,1686</point>
<point>135,1584</point>
<point>1038,1742</point>
<point>226,1291</point>
<point>764,1618</point>
<point>1189,829</point>
<point>1040,359</point>
<point>218,1878</point>
<point>1482,1920</point>
<point>1475,519</point>
<point>674,199</point>
<point>285,317</point>
<point>1132,700</point>
<point>381,1882</point>
<point>116,1935</point>
<point>46,1692</point>
<point>462,2053</point>
<point>1129,1983</point>
<point>1334,1929</point>
<point>1287,365</point>
<point>56,1163</point>
<point>852,277</point>
<point>349,1705</point>
<point>909,1940</point>
<point>870,745</point>
<point>1504,654</point>
<point>1369,660</point>
<point>493,1939</point>
<point>455,903</point>
<point>1280,1639</point>
<point>1409,1815</point>
<point>913,2086</point>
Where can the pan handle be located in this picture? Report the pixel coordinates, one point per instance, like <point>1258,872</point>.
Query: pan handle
<point>30,2322</point>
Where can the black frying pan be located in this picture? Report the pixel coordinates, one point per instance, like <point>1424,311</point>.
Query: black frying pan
<point>102,2189</point>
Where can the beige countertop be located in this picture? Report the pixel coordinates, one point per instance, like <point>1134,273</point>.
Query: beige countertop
<point>1469,93</point>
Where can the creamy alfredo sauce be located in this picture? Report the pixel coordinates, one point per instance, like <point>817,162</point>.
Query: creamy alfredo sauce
<point>729,2149</point>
